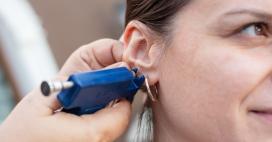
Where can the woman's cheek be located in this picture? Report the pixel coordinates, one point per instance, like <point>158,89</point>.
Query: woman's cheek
<point>234,71</point>
<point>208,83</point>
<point>216,70</point>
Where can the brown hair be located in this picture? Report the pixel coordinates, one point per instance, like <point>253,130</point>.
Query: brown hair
<point>156,14</point>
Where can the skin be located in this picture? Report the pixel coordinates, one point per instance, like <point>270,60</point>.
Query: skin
<point>35,118</point>
<point>213,72</point>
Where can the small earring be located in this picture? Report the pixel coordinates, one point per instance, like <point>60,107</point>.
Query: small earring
<point>152,91</point>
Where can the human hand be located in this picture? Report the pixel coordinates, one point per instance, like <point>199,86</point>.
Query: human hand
<point>35,118</point>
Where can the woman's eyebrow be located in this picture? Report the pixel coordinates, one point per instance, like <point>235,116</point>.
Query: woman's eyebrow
<point>250,12</point>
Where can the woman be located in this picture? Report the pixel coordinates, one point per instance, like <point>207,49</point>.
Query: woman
<point>210,61</point>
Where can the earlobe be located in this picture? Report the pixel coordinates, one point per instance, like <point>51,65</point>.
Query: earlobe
<point>142,50</point>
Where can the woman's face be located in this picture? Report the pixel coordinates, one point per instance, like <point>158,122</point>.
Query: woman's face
<point>216,76</point>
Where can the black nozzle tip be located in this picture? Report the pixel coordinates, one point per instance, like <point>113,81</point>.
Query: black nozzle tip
<point>45,88</point>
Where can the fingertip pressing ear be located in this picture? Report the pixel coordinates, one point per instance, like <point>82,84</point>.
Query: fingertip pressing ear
<point>142,49</point>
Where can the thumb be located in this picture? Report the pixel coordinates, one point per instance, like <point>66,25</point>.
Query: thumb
<point>111,122</point>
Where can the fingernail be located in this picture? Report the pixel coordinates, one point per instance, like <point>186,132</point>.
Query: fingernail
<point>116,103</point>
<point>110,104</point>
<point>113,103</point>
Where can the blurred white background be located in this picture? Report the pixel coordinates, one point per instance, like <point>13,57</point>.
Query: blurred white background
<point>37,36</point>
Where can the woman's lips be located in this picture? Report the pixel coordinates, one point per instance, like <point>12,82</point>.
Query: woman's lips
<point>263,114</point>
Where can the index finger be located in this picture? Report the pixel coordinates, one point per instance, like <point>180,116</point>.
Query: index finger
<point>104,52</point>
<point>93,56</point>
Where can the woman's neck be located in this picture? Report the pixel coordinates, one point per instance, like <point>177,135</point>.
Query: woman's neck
<point>164,131</point>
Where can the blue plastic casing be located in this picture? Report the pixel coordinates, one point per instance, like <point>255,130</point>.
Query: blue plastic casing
<point>94,90</point>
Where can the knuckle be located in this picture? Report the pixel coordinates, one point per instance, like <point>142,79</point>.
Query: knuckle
<point>85,56</point>
<point>82,49</point>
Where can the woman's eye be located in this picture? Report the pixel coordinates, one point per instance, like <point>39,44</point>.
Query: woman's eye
<point>253,30</point>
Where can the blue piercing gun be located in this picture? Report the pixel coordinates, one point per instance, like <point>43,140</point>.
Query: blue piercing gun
<point>88,92</point>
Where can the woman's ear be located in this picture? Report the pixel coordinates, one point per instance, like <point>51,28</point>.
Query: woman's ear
<point>142,50</point>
